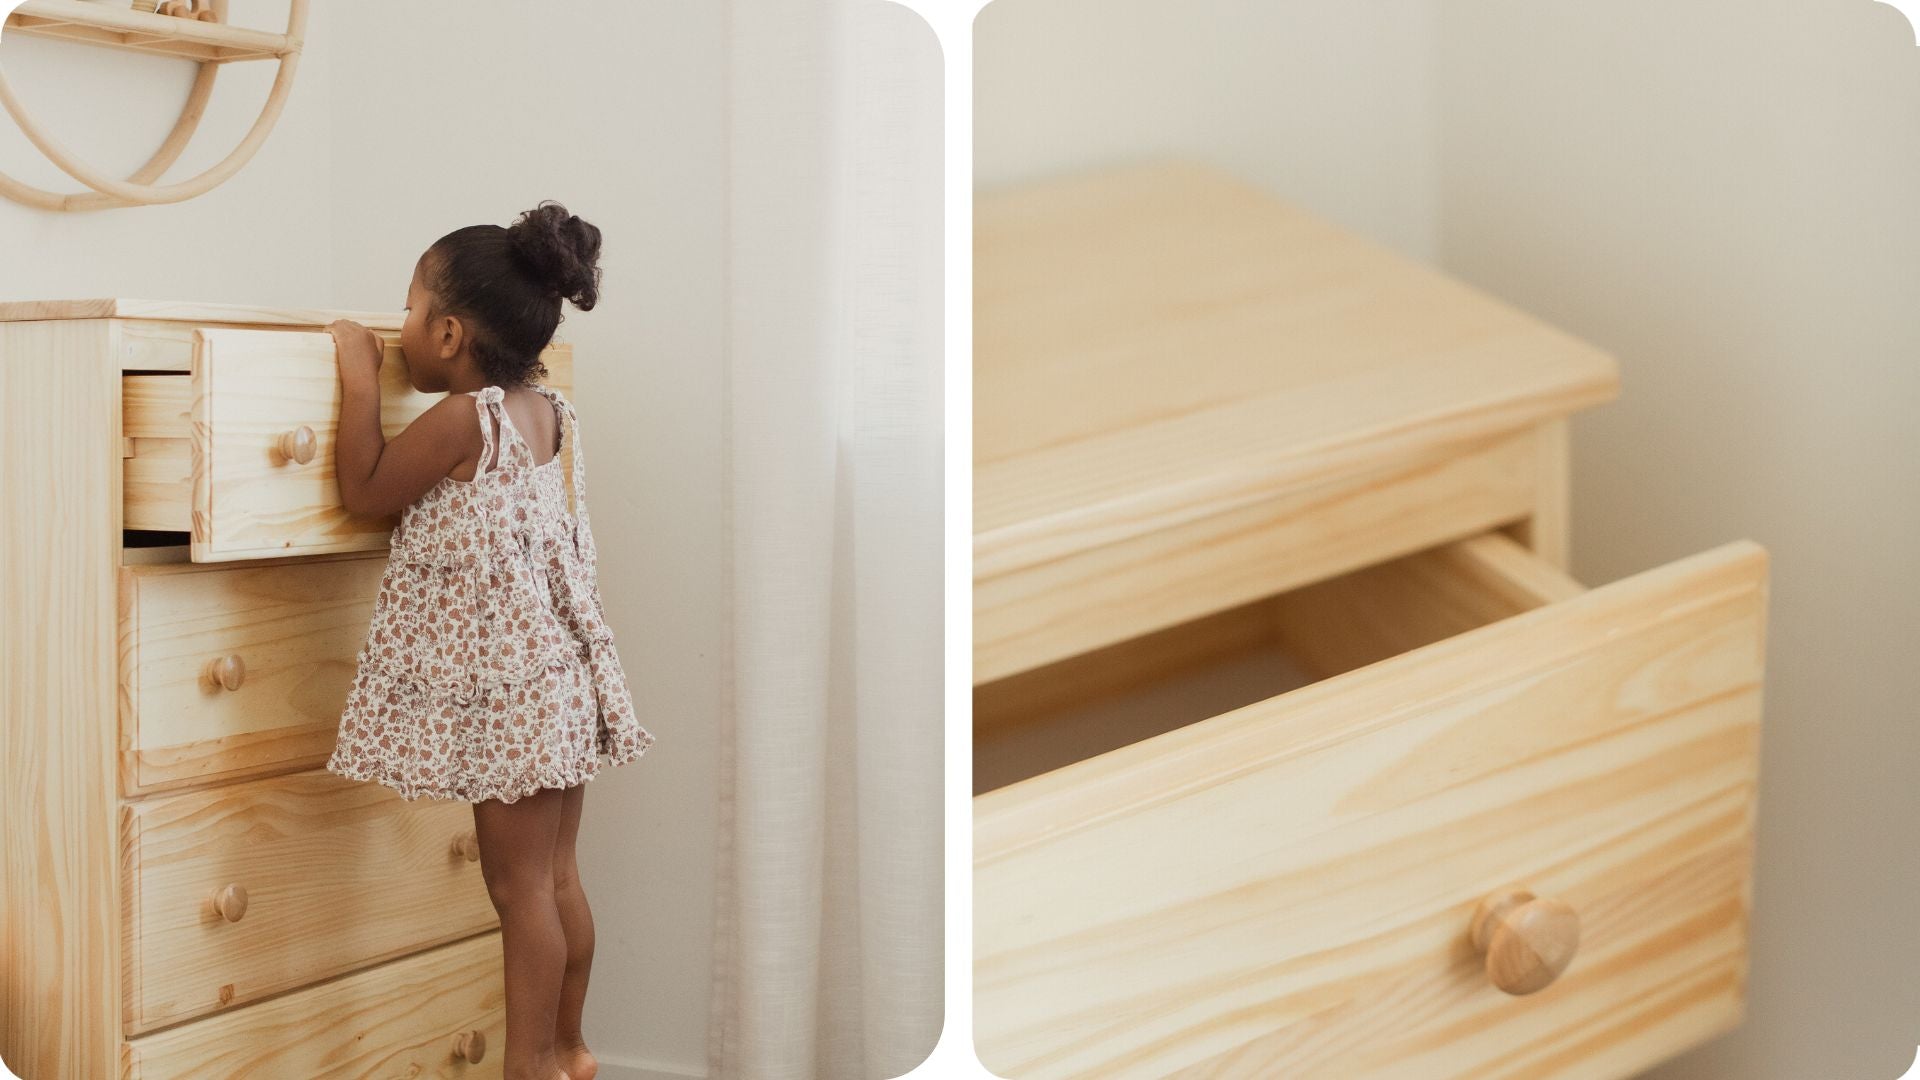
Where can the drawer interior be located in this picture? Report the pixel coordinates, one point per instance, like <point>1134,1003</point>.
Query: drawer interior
<point>1074,709</point>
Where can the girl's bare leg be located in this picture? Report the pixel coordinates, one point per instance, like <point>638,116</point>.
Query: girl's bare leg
<point>516,859</point>
<point>577,920</point>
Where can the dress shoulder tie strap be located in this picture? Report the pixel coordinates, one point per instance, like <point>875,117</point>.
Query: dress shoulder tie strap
<point>582,531</point>
<point>491,403</point>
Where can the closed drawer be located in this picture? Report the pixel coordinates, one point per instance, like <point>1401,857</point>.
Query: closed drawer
<point>238,452</point>
<point>1086,591</point>
<point>233,671</point>
<point>245,890</point>
<point>415,1018</point>
<point>1253,844</point>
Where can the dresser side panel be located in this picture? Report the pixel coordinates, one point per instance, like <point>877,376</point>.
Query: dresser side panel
<point>59,909</point>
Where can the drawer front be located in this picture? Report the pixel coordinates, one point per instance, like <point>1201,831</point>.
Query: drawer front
<point>287,633</point>
<point>217,452</point>
<point>245,890</point>
<point>1285,889</point>
<point>402,1019</point>
<point>1094,596</point>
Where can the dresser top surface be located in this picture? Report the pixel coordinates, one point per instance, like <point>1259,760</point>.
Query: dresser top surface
<point>1169,332</point>
<point>190,311</point>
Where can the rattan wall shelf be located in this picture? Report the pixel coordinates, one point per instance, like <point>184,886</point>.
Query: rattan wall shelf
<point>210,43</point>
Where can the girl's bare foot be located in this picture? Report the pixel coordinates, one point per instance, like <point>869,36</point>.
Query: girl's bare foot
<point>580,1064</point>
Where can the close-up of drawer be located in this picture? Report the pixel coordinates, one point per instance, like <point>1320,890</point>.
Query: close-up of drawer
<point>238,892</point>
<point>1297,749</point>
<point>237,451</point>
<point>237,670</point>
<point>1258,843</point>
<point>435,1015</point>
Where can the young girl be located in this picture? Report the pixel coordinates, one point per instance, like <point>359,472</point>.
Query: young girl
<point>489,672</point>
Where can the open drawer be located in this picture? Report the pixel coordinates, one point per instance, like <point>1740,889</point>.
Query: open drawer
<point>1254,844</point>
<point>238,452</point>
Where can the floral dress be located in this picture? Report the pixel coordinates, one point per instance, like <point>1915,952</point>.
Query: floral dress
<point>489,670</point>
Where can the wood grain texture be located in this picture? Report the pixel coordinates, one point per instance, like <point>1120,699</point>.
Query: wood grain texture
<point>59,926</point>
<point>192,311</point>
<point>392,1021</point>
<point>250,388</point>
<point>1162,343</point>
<point>1326,628</point>
<point>238,494</point>
<point>1097,596</point>
<point>297,626</point>
<point>131,29</point>
<point>1285,889</point>
<point>338,875</point>
<point>76,947</point>
<point>1548,531</point>
<point>1382,611</point>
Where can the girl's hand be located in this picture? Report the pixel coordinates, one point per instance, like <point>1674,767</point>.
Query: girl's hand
<point>361,351</point>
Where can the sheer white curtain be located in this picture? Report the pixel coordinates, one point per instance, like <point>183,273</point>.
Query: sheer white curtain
<point>829,912</point>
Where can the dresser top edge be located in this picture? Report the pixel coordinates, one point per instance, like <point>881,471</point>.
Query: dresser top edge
<point>193,311</point>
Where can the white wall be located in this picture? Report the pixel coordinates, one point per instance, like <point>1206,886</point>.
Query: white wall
<point>238,244</point>
<point>1327,102</point>
<point>450,113</point>
<point>407,121</point>
<point>1721,193</point>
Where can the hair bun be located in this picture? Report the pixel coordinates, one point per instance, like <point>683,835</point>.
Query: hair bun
<point>560,250</point>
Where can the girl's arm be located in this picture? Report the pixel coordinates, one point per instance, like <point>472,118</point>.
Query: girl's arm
<point>377,477</point>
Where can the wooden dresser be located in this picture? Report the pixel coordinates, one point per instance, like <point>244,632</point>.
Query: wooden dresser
<point>187,892</point>
<point>1297,751</point>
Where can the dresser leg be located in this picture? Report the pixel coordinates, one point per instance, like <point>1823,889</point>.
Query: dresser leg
<point>1546,533</point>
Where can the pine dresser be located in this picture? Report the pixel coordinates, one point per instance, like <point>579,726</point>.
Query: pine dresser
<point>1298,753</point>
<point>188,892</point>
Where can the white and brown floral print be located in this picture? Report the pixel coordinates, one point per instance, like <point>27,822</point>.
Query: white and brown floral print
<point>489,671</point>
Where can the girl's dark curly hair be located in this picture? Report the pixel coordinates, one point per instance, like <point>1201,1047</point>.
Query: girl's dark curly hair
<point>507,284</point>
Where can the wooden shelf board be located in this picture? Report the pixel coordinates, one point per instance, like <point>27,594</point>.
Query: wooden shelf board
<point>139,31</point>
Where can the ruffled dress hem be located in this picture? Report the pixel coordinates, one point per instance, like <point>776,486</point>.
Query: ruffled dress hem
<point>506,789</point>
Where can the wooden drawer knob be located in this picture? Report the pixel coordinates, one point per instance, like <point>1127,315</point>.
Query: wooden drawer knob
<point>470,1046</point>
<point>299,445</point>
<point>467,846</point>
<point>231,903</point>
<point>1528,941</point>
<point>227,671</point>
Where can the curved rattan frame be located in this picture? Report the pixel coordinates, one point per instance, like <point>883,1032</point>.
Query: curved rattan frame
<point>138,189</point>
